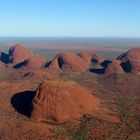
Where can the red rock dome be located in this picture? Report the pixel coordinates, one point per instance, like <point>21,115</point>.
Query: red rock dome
<point>114,68</point>
<point>18,54</point>
<point>97,58</point>
<point>58,100</point>
<point>132,58</point>
<point>86,56</point>
<point>36,61</point>
<point>69,62</point>
<point>72,62</point>
<point>91,56</point>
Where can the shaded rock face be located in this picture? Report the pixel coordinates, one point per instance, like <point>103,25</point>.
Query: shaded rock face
<point>114,68</point>
<point>98,59</point>
<point>59,101</point>
<point>18,54</point>
<point>131,60</point>
<point>4,57</point>
<point>71,62</point>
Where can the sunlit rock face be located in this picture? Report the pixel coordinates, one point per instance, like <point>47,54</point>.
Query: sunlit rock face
<point>114,68</point>
<point>18,54</point>
<point>69,62</point>
<point>135,66</point>
<point>35,62</point>
<point>72,62</point>
<point>58,101</point>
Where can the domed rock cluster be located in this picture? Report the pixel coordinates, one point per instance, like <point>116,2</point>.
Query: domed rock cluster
<point>72,62</point>
<point>69,62</point>
<point>126,62</point>
<point>59,101</point>
<point>21,57</point>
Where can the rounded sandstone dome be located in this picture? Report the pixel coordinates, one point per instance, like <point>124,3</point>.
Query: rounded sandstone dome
<point>114,68</point>
<point>69,62</point>
<point>36,61</point>
<point>96,58</point>
<point>131,60</point>
<point>72,62</point>
<point>18,54</point>
<point>58,101</point>
<point>133,54</point>
<point>91,57</point>
<point>85,55</point>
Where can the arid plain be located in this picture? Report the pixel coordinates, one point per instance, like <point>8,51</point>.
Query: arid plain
<point>76,96</point>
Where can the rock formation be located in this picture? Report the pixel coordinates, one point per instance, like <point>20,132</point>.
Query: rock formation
<point>58,101</point>
<point>96,58</point>
<point>69,62</point>
<point>72,62</point>
<point>35,62</point>
<point>131,60</point>
<point>18,54</point>
<point>114,67</point>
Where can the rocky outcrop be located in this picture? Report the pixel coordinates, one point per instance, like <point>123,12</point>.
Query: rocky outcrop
<point>131,60</point>
<point>18,54</point>
<point>69,62</point>
<point>34,62</point>
<point>114,68</point>
<point>58,101</point>
<point>72,62</point>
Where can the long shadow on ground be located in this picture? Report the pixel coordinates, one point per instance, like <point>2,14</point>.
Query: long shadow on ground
<point>22,102</point>
<point>101,70</point>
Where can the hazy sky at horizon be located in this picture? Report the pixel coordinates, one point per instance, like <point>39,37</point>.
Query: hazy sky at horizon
<point>98,18</point>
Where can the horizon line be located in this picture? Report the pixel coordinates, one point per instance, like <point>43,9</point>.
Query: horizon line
<point>123,37</point>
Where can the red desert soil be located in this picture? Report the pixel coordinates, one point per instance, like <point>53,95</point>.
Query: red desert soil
<point>59,101</point>
<point>1,65</point>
